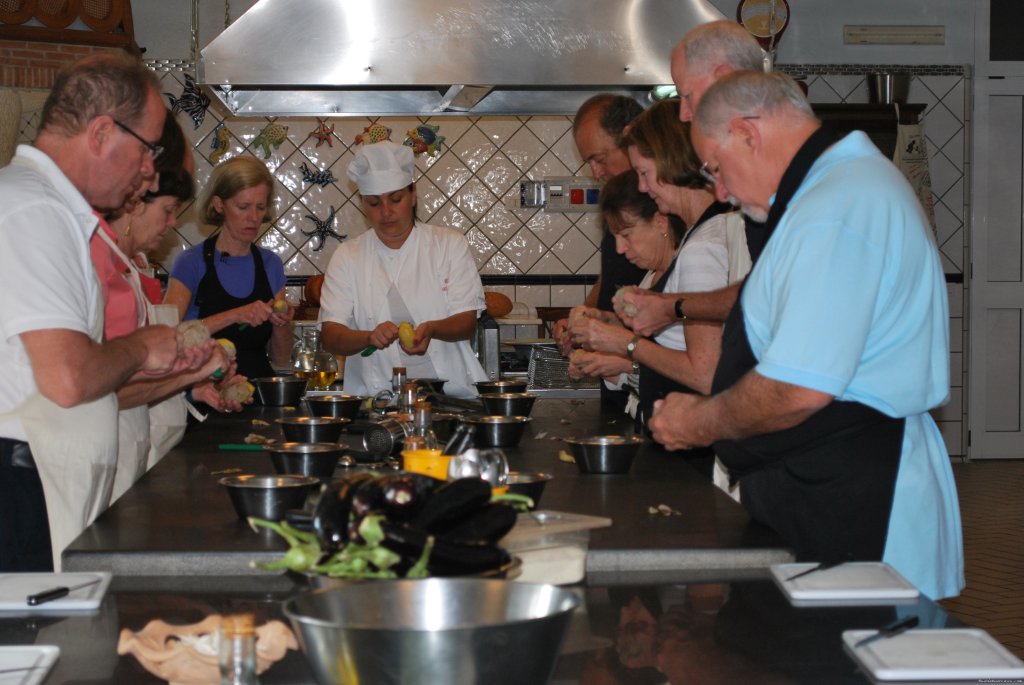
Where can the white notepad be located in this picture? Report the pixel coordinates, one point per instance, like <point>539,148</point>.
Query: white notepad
<point>16,587</point>
<point>934,654</point>
<point>852,583</point>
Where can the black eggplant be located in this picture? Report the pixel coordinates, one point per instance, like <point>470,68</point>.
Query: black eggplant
<point>485,527</point>
<point>446,558</point>
<point>451,503</point>
<point>332,515</point>
<point>405,494</point>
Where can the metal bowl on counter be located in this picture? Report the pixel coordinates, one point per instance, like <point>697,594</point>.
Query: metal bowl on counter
<point>312,428</point>
<point>605,453</point>
<point>338,406</point>
<point>317,459</point>
<point>528,483</point>
<point>497,431</point>
<point>508,403</point>
<point>280,391</point>
<point>268,497</point>
<point>494,387</point>
<point>447,630</point>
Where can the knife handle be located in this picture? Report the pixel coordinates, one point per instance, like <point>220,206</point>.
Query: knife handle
<point>47,596</point>
<point>367,351</point>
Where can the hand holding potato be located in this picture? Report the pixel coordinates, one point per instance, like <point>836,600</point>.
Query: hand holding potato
<point>420,339</point>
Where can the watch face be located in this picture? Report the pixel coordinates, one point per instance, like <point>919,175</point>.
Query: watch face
<point>764,19</point>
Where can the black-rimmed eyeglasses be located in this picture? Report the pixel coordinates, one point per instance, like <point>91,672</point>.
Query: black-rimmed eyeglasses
<point>152,148</point>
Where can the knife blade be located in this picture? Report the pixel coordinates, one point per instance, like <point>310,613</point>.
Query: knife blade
<point>57,592</point>
<point>814,569</point>
<point>891,630</point>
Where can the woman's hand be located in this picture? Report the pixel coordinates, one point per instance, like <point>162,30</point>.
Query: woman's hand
<point>583,364</point>
<point>284,317</point>
<point>209,392</point>
<point>424,334</point>
<point>597,336</point>
<point>253,314</point>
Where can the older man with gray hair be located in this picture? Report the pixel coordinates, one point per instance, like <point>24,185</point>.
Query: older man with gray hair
<point>837,347</point>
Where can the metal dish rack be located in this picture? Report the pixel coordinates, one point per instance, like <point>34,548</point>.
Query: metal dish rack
<point>549,369</point>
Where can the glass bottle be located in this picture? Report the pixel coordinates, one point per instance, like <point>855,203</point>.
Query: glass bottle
<point>313,363</point>
<point>398,377</point>
<point>237,650</point>
<point>423,425</point>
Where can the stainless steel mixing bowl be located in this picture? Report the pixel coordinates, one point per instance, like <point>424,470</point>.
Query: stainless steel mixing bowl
<point>508,403</point>
<point>497,431</point>
<point>340,406</point>
<point>312,428</point>
<point>268,497</point>
<point>605,453</point>
<point>317,459</point>
<point>280,391</point>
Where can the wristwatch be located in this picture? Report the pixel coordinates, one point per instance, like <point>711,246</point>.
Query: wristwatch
<point>631,346</point>
<point>679,310</point>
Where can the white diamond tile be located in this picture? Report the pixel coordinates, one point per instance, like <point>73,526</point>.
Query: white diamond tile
<point>480,245</point>
<point>449,215</point>
<point>320,259</point>
<point>946,224</point>
<point>535,295</point>
<point>954,99</point>
<point>568,295</point>
<point>499,264</point>
<point>920,95</point>
<point>549,128</point>
<point>843,84</point>
<point>547,166</point>
<point>500,224</point>
<point>549,226</point>
<point>593,265</point>
<point>499,129</point>
<point>276,243</point>
<point>499,174</point>
<point>941,125</point>
<point>347,129</point>
<point>452,128</point>
<point>953,251</point>
<point>524,249</point>
<point>340,170</point>
<point>953,199</point>
<point>172,246</point>
<point>474,199</point>
<point>939,85</point>
<point>474,149</point>
<point>549,265</point>
<point>574,250</point>
<point>298,265</point>
<point>591,225</point>
<point>943,174</point>
<point>524,149</point>
<point>205,148</point>
<point>820,91</point>
<point>429,199</point>
<point>953,150</point>
<point>449,174</point>
<point>565,149</point>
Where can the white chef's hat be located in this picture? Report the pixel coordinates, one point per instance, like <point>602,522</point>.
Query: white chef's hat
<point>382,167</point>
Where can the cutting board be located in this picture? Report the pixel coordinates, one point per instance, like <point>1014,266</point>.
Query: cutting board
<point>935,655</point>
<point>855,582</point>
<point>36,659</point>
<point>16,587</point>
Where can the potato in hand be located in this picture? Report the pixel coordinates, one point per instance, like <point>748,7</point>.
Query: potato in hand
<point>406,334</point>
<point>239,391</point>
<point>193,332</point>
<point>279,306</point>
<point>228,346</point>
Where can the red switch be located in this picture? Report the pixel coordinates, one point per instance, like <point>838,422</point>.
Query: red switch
<point>576,196</point>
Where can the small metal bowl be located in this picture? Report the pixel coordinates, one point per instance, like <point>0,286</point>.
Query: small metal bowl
<point>317,459</point>
<point>605,453</point>
<point>280,391</point>
<point>494,387</point>
<point>497,431</point>
<point>268,497</point>
<point>527,483</point>
<point>508,403</point>
<point>312,428</point>
<point>338,406</point>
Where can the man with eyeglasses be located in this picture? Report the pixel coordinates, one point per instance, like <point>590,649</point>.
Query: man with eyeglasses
<point>837,347</point>
<point>704,55</point>
<point>58,411</point>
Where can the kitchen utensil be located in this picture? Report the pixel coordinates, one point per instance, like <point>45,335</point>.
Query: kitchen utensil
<point>890,630</point>
<point>58,592</point>
<point>508,403</point>
<point>280,391</point>
<point>426,462</point>
<point>312,428</point>
<point>367,351</point>
<point>318,459</point>
<point>268,497</point>
<point>385,436</point>
<point>338,406</point>
<point>814,569</point>
<point>489,464</point>
<point>492,387</point>
<point>605,453</point>
<point>239,447</point>
<point>447,630</point>
<point>528,483</point>
<point>498,431</point>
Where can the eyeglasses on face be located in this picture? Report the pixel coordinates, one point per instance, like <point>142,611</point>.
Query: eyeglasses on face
<point>152,148</point>
<point>711,175</point>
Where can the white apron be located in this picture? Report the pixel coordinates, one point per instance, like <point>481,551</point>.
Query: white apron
<point>132,424</point>
<point>167,419</point>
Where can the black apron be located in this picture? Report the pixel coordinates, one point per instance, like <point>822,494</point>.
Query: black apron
<point>211,298</point>
<point>825,485</point>
<point>654,386</point>
<point>616,271</point>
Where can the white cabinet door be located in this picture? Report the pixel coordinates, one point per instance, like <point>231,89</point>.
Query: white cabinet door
<point>997,278</point>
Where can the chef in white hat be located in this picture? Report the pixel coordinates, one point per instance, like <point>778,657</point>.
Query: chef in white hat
<point>400,271</point>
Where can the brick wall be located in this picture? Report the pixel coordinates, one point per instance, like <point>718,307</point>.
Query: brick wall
<point>33,64</point>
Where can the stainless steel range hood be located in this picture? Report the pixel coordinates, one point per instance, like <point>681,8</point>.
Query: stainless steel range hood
<point>430,57</point>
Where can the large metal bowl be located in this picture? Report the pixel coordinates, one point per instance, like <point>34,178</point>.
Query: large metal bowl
<point>317,459</point>
<point>268,497</point>
<point>508,403</point>
<point>280,391</point>
<point>494,387</point>
<point>529,483</point>
<point>605,453</point>
<point>439,630</point>
<point>339,406</point>
<point>312,428</point>
<point>497,431</point>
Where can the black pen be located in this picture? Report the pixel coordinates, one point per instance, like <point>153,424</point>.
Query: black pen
<point>57,593</point>
<point>891,630</point>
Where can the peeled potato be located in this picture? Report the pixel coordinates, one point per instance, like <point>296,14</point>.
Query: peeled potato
<point>628,308</point>
<point>498,305</point>
<point>239,391</point>
<point>229,347</point>
<point>193,332</point>
<point>279,306</point>
<point>406,334</point>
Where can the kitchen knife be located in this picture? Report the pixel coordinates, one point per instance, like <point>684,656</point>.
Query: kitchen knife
<point>814,569</point>
<point>57,592</point>
<point>240,447</point>
<point>891,630</point>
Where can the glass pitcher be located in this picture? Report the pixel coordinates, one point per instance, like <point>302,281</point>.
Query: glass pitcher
<point>312,362</point>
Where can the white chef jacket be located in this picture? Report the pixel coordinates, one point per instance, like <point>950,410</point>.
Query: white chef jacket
<point>436,277</point>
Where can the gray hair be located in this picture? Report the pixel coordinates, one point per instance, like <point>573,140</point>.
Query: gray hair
<point>721,43</point>
<point>111,83</point>
<point>751,94</point>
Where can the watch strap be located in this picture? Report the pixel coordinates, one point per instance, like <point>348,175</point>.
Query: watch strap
<point>631,346</point>
<point>680,314</point>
